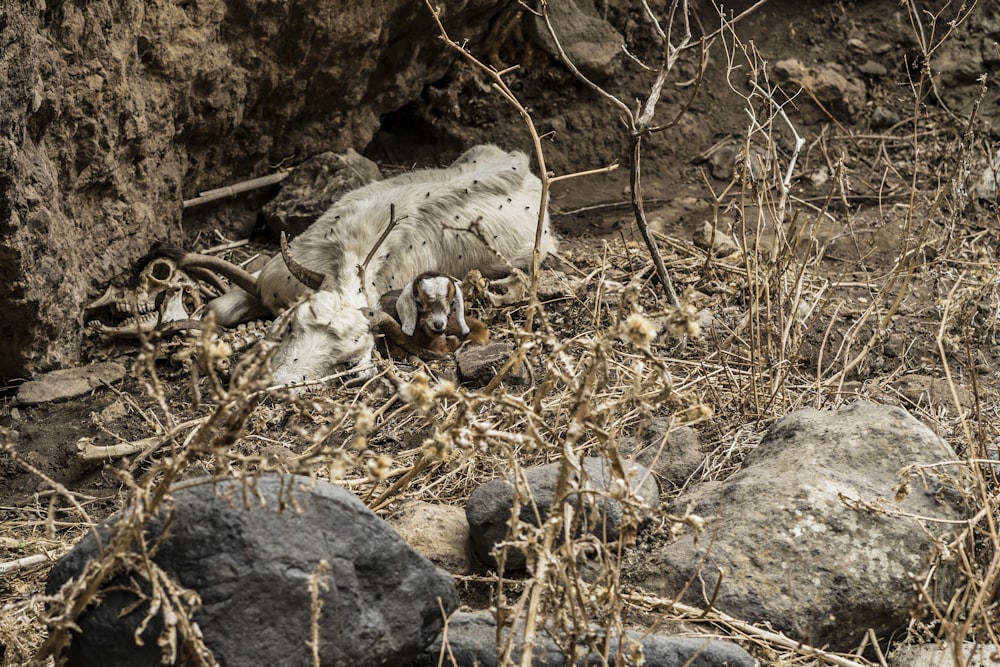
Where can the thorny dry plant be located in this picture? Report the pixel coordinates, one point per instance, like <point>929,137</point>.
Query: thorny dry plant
<point>767,330</point>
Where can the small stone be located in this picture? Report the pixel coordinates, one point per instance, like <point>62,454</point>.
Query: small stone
<point>942,655</point>
<point>68,383</point>
<point>590,42</point>
<point>872,68</point>
<point>439,533</point>
<point>472,640</point>
<point>673,457</point>
<point>710,237</point>
<point>479,364</point>
<point>883,118</point>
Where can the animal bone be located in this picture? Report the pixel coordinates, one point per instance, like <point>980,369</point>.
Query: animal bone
<point>499,292</point>
<point>88,452</point>
<point>479,213</point>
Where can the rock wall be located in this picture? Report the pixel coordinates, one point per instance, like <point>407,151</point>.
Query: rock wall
<point>114,111</point>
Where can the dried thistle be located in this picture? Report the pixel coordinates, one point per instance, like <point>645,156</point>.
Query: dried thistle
<point>638,330</point>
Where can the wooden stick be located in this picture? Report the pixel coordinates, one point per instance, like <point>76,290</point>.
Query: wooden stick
<point>237,188</point>
<point>21,563</point>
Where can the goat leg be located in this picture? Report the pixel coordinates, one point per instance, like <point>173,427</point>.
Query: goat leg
<point>390,328</point>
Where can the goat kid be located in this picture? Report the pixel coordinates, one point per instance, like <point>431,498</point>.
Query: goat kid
<point>481,212</point>
<point>427,318</point>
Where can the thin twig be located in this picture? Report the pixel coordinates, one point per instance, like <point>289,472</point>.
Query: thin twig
<point>393,221</point>
<point>237,188</point>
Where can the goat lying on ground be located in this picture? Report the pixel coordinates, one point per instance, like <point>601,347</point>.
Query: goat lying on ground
<point>428,318</point>
<point>481,213</point>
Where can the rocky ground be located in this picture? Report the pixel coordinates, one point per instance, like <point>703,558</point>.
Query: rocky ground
<point>860,264</point>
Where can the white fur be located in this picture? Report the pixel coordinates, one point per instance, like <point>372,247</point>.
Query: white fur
<point>479,213</point>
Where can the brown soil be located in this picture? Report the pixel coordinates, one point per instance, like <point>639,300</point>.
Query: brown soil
<point>860,201</point>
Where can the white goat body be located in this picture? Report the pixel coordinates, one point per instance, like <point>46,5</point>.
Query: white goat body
<point>480,213</point>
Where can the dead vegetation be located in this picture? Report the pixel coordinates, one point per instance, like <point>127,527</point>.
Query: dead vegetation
<point>796,316</point>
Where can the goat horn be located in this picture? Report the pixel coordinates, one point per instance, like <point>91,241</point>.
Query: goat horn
<point>308,277</point>
<point>236,275</point>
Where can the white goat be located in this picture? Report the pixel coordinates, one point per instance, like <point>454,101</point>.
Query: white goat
<point>479,213</point>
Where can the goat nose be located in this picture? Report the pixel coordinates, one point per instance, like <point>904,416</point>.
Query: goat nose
<point>439,325</point>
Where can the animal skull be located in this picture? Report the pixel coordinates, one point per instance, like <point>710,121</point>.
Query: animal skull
<point>163,293</point>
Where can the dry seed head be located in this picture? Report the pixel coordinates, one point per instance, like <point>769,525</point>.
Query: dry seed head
<point>638,330</point>
<point>417,392</point>
<point>379,466</point>
<point>338,468</point>
<point>435,449</point>
<point>446,389</point>
<point>218,349</point>
<point>684,321</point>
<point>364,420</point>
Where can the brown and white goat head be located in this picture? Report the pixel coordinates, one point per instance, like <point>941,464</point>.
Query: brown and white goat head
<point>427,318</point>
<point>428,301</point>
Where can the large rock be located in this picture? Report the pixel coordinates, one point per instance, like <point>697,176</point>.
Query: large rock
<point>251,568</point>
<point>114,112</point>
<point>472,642</point>
<point>840,96</point>
<point>793,539</point>
<point>590,42</point>
<point>490,506</point>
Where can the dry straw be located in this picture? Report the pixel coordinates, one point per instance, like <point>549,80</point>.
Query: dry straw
<point>749,337</point>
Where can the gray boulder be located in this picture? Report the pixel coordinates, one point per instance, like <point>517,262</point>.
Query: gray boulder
<point>472,640</point>
<point>793,540</point>
<point>673,454</point>
<point>491,505</point>
<point>251,563</point>
<point>589,41</point>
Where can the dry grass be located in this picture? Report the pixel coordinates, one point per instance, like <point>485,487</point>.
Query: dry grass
<point>789,328</point>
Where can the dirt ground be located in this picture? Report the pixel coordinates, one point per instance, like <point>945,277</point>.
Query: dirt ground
<point>876,271</point>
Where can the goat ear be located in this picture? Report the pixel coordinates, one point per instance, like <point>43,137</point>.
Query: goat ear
<point>406,308</point>
<point>458,307</point>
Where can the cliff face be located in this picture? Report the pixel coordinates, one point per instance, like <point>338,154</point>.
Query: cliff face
<point>115,110</point>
